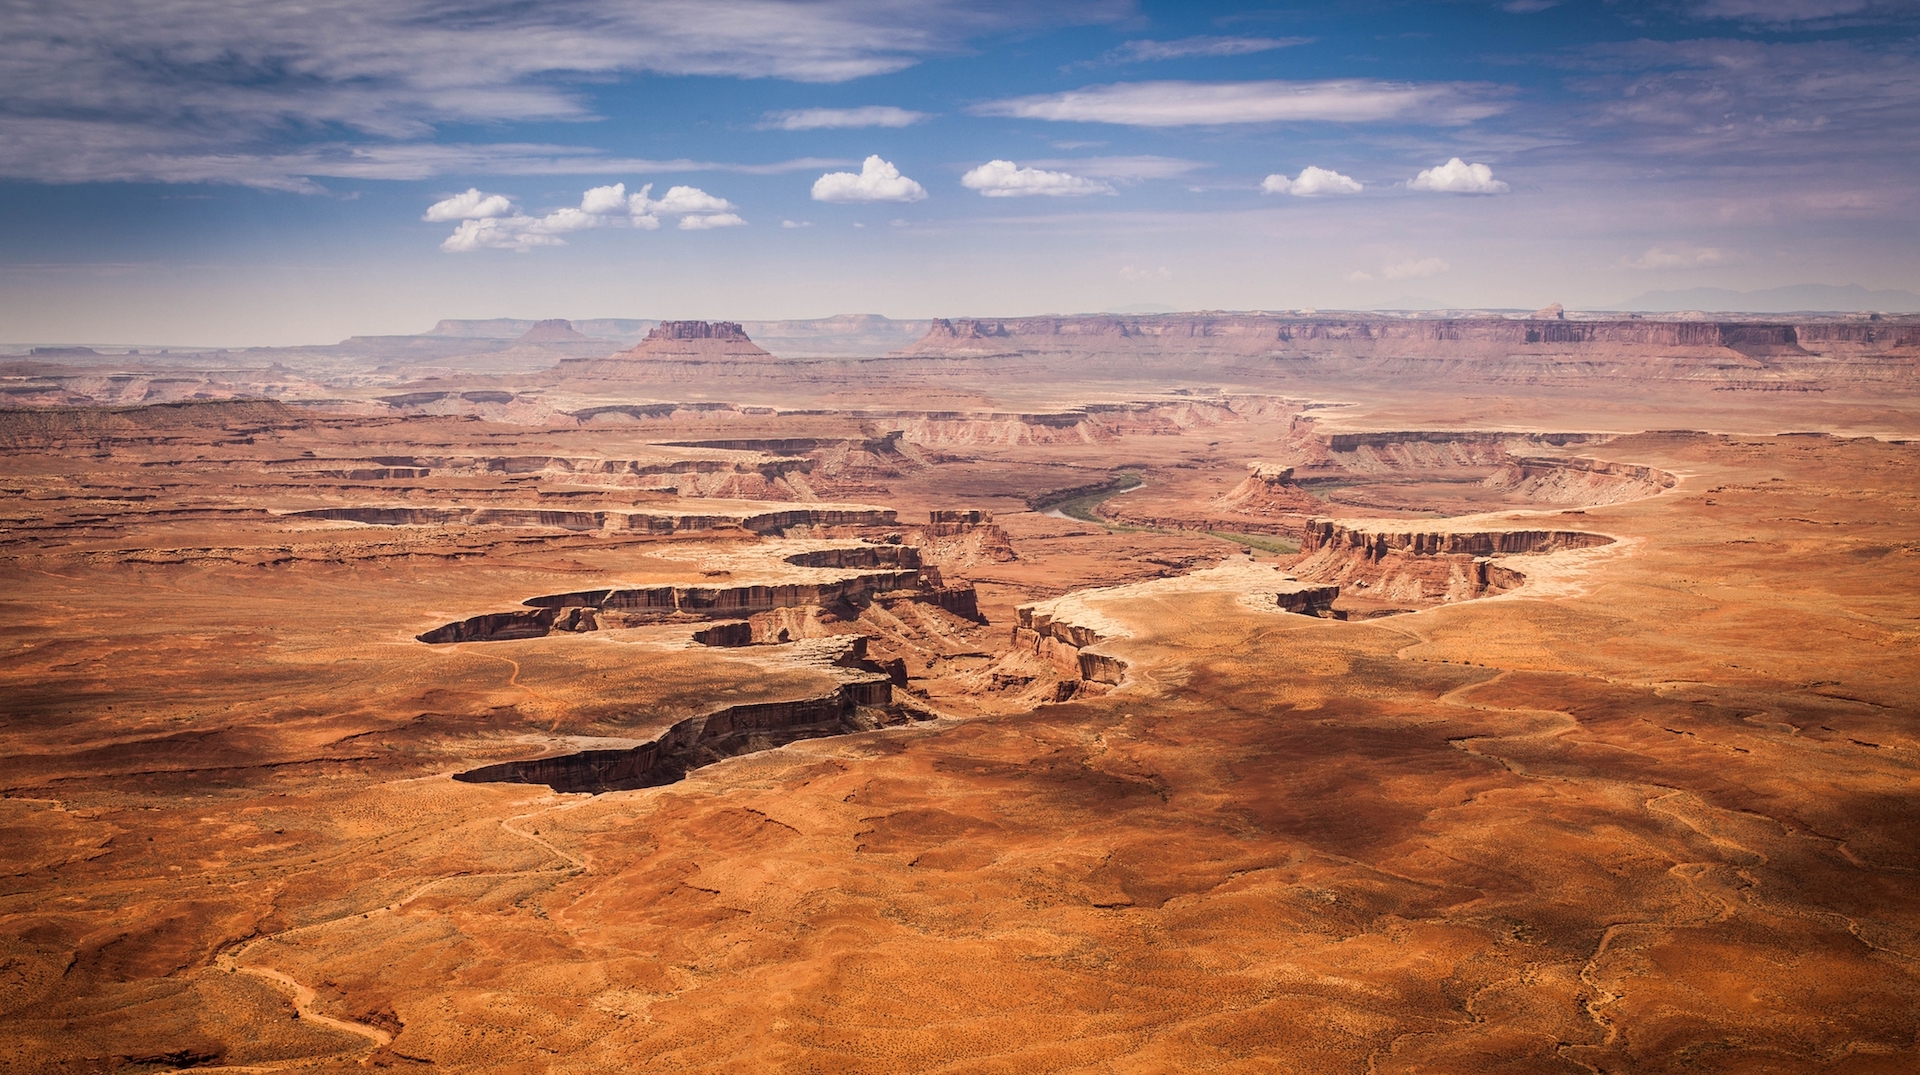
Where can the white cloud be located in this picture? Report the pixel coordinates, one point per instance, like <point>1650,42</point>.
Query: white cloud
<point>878,181</point>
<point>1179,104</point>
<point>1784,12</point>
<point>1359,276</point>
<point>689,200</point>
<point>1458,177</point>
<point>1005,179</point>
<point>1125,169</point>
<point>600,207</point>
<point>1185,47</point>
<point>796,223</point>
<point>225,90</point>
<point>1312,182</point>
<point>470,205</point>
<point>1659,257</point>
<point>516,233</point>
<point>561,221</point>
<point>710,220</point>
<point>1415,270</point>
<point>603,200</point>
<point>815,119</point>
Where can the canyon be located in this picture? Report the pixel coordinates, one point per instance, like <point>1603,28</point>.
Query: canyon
<point>1190,692</point>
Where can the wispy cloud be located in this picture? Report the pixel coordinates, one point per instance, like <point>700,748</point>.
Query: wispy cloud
<point>1125,169</point>
<point>815,119</point>
<point>199,90</point>
<point>1005,179</point>
<point>1186,47</point>
<point>877,181</point>
<point>67,151</point>
<point>1799,13</point>
<point>1181,104</point>
<point>1411,269</point>
<point>1711,98</point>
<point>1675,257</point>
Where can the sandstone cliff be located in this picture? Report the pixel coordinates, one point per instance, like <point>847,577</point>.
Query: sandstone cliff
<point>1739,354</point>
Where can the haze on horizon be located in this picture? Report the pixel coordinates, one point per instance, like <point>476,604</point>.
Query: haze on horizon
<point>266,176</point>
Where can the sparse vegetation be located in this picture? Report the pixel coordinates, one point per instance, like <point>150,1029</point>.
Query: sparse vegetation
<point>1084,507</point>
<point>1264,542</point>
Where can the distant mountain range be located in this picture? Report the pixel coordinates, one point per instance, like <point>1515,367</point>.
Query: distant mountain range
<point>1798,298</point>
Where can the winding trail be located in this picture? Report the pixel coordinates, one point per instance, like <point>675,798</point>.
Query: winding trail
<point>304,997</point>
<point>553,705</point>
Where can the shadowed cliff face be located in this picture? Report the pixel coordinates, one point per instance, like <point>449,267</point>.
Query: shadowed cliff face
<point>702,740</point>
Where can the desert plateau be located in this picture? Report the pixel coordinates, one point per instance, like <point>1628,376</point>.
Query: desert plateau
<point>1172,693</point>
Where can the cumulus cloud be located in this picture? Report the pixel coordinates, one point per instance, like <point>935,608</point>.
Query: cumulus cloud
<point>1458,177</point>
<point>469,205</point>
<point>877,181</point>
<point>816,119</point>
<point>603,200</point>
<point>1005,179</point>
<point>489,221</point>
<point>1180,104</point>
<point>1312,182</point>
<point>517,233</point>
<point>1137,51</point>
<point>796,223</point>
<point>1681,257</point>
<point>686,200</point>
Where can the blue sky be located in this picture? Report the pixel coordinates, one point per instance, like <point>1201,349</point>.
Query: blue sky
<point>244,171</point>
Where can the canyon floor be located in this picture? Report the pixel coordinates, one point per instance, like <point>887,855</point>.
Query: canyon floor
<point>813,736</point>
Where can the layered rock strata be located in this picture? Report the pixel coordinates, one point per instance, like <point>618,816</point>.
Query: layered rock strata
<point>1421,567</point>
<point>642,522</point>
<point>1063,634</point>
<point>1735,355</point>
<point>1268,489</point>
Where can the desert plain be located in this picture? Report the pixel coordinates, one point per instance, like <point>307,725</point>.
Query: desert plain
<point>1228,693</point>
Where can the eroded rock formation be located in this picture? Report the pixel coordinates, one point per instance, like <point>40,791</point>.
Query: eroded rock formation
<point>1269,489</point>
<point>864,701</point>
<point>1424,567</point>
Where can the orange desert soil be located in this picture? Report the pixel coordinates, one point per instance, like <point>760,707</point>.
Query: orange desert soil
<point>726,735</point>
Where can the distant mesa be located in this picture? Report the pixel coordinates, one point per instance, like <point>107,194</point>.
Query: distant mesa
<point>698,340</point>
<point>555,330</point>
<point>670,341</point>
<point>1555,312</point>
<point>698,330</point>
